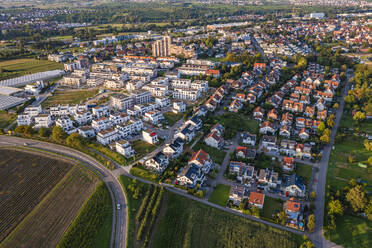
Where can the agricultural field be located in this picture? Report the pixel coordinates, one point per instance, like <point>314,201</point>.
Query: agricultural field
<point>187,223</point>
<point>20,67</point>
<point>48,221</point>
<point>6,118</point>
<point>21,172</point>
<point>220,195</point>
<point>182,222</point>
<point>69,97</point>
<point>97,212</point>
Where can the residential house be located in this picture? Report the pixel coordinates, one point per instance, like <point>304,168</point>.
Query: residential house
<point>258,114</point>
<point>237,168</point>
<point>214,139</point>
<point>294,186</point>
<point>150,136</point>
<point>86,131</point>
<point>235,106</point>
<point>174,149</point>
<point>202,160</point>
<point>288,164</point>
<point>268,127</point>
<point>190,176</point>
<point>158,163</point>
<point>248,139</point>
<point>124,148</point>
<point>108,136</point>
<point>256,199</point>
<point>179,107</point>
<point>43,120</point>
<point>186,133</point>
<point>237,194</point>
<point>269,143</point>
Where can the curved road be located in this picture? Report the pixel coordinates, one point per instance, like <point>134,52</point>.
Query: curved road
<point>120,221</point>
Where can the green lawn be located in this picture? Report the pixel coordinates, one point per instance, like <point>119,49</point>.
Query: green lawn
<point>220,195</point>
<point>271,207</point>
<point>141,172</point>
<point>352,232</point>
<point>340,171</point>
<point>187,223</point>
<point>6,118</point>
<point>69,97</point>
<point>216,154</point>
<point>304,171</point>
<point>348,122</point>
<point>142,148</point>
<point>237,122</point>
<point>172,118</point>
<point>20,67</point>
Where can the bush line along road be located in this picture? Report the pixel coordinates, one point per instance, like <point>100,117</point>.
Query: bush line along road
<point>111,180</point>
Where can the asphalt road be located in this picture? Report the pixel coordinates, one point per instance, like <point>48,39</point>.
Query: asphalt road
<point>118,239</point>
<point>317,237</point>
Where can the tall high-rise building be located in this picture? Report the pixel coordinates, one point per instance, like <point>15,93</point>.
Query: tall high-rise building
<point>162,47</point>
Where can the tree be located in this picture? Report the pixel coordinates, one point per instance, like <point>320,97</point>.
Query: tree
<point>28,131</point>
<point>368,145</point>
<point>58,135</point>
<point>307,244</point>
<point>75,140</point>
<point>370,161</point>
<point>20,129</point>
<point>313,195</point>
<point>359,116</point>
<point>321,127</point>
<point>282,217</point>
<point>255,211</point>
<point>325,139</point>
<point>369,210</point>
<point>311,222</point>
<point>335,207</point>
<point>43,132</point>
<point>357,198</point>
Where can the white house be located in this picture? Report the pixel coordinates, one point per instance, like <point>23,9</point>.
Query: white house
<point>124,148</point>
<point>158,163</point>
<point>66,123</point>
<point>24,119</point>
<point>150,136</point>
<point>174,149</point>
<point>154,117</point>
<point>108,136</point>
<point>33,111</point>
<point>101,111</point>
<point>101,123</point>
<point>179,107</point>
<point>83,117</point>
<point>43,120</point>
<point>86,131</point>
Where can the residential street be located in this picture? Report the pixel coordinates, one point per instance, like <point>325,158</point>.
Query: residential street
<point>317,237</point>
